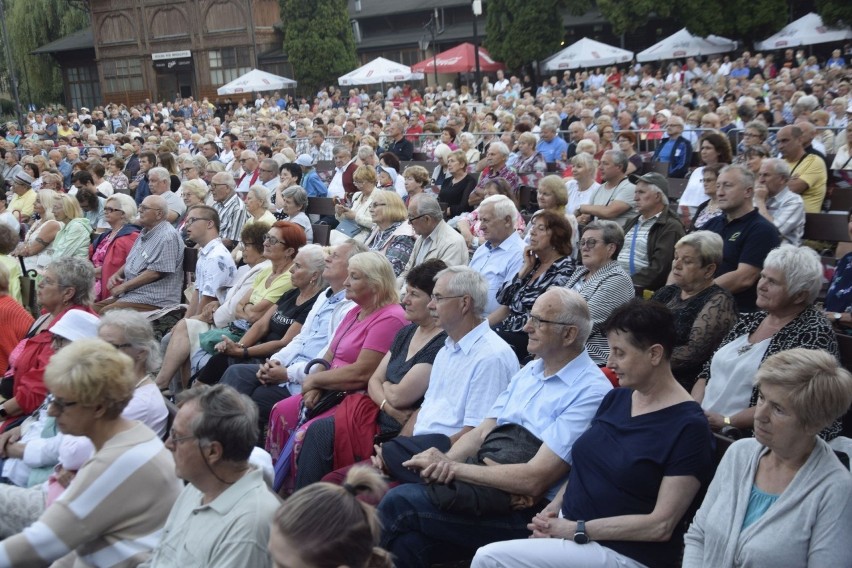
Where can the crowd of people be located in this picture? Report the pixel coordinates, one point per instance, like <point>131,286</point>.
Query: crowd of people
<point>518,326</point>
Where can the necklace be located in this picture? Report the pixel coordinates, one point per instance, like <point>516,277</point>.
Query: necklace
<point>744,349</point>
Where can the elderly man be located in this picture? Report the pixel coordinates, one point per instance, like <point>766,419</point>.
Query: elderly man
<point>223,515</point>
<point>775,201</point>
<point>159,183</point>
<point>650,237</point>
<point>614,199</point>
<point>398,144</point>
<point>435,239</point>
<point>11,167</point>
<point>152,276</point>
<point>231,209</point>
<point>344,167</point>
<point>131,160</point>
<point>495,160</point>
<point>808,174</point>
<point>311,181</point>
<point>548,404</point>
<point>24,199</point>
<point>552,146</point>
<point>251,172</point>
<point>282,374</point>
<point>320,148</point>
<point>269,174</point>
<point>215,269</point>
<point>501,255</point>
<point>674,149</point>
<point>748,236</point>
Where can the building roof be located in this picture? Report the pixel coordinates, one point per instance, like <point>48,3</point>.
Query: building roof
<point>375,8</point>
<point>82,39</point>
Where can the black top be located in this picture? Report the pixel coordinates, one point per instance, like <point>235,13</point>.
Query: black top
<point>456,194</point>
<point>398,365</point>
<point>288,313</point>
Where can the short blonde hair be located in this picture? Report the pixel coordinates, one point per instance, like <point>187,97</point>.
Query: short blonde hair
<point>70,206</point>
<point>421,174</point>
<point>365,173</point>
<point>47,197</point>
<point>196,187</point>
<point>556,185</point>
<point>377,269</point>
<point>818,389</point>
<point>395,209</point>
<point>95,373</point>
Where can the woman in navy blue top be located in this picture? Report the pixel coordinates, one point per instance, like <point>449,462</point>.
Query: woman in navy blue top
<point>637,470</point>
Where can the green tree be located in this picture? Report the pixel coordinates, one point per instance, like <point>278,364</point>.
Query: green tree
<point>522,31</point>
<point>31,24</point>
<point>318,40</point>
<point>835,11</point>
<point>745,20</point>
<point>630,15</point>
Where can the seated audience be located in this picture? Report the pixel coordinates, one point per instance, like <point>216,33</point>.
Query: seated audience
<point>777,203</point>
<point>614,199</point>
<point>838,299</point>
<point>258,205</point>
<point>552,194</point>
<point>782,498</point>
<point>9,240</point>
<point>496,167</point>
<point>109,250</point>
<point>710,208</point>
<point>73,239</point>
<point>416,181</point>
<point>193,192</point>
<point>15,321</point>
<point>392,235</point>
<point>457,185</point>
<point>808,173</point>
<point>715,151</point>
<point>635,471</point>
<point>435,239</point>
<point>37,247</point>
<point>294,203</point>
<point>229,206</point>
<point>675,149</point>
<point>355,219</point>
<point>470,226</point>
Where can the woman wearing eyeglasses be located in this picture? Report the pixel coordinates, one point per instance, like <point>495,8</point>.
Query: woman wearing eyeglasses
<point>125,492</point>
<point>710,208</point>
<point>108,252</point>
<point>715,150</point>
<point>391,235</point>
<point>355,220</point>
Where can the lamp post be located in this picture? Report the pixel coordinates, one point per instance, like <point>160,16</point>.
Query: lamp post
<point>477,11</point>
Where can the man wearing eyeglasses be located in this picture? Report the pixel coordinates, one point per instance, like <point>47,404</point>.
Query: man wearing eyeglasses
<point>249,163</point>
<point>269,174</point>
<point>231,209</point>
<point>435,239</point>
<point>215,268</point>
<point>516,458</point>
<point>159,182</point>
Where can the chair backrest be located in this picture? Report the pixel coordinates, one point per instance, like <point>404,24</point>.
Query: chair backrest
<point>826,227</point>
<point>321,234</point>
<point>320,206</point>
<point>676,187</point>
<point>661,168</point>
<point>841,199</point>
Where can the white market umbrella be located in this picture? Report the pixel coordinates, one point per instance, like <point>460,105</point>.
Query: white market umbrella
<point>379,70</point>
<point>807,30</point>
<point>684,44</point>
<point>586,53</point>
<point>255,81</point>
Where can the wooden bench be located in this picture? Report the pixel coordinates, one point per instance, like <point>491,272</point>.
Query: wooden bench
<point>830,227</point>
<point>320,206</point>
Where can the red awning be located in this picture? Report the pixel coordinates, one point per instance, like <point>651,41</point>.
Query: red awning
<point>460,59</point>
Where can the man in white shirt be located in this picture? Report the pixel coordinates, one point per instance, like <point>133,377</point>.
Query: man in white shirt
<point>779,205</point>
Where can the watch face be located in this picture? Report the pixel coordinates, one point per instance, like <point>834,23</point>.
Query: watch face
<point>581,538</point>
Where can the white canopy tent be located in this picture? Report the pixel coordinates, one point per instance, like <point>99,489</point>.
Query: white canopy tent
<point>255,81</point>
<point>684,44</point>
<point>379,70</point>
<point>807,30</point>
<point>586,53</point>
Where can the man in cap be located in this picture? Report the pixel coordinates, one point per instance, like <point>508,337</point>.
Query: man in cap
<point>24,199</point>
<point>310,179</point>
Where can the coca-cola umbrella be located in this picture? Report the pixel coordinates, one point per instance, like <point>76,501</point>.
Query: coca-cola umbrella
<point>460,59</point>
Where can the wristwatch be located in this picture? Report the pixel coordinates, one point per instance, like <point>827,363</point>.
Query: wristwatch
<point>837,316</point>
<point>3,413</point>
<point>580,536</point>
<point>726,420</point>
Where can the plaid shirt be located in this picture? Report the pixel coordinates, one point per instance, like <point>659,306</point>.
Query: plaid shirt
<point>159,249</point>
<point>232,216</point>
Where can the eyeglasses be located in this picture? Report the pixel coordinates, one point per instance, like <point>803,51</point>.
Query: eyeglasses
<point>243,160</point>
<point>413,219</point>
<point>60,404</point>
<point>438,297</point>
<point>219,185</point>
<point>588,243</point>
<point>143,208</point>
<point>535,321</point>
<point>273,241</point>
<point>192,220</point>
<point>112,210</point>
<point>121,345</point>
<point>187,169</point>
<point>178,439</point>
<point>268,171</point>
<point>751,135</point>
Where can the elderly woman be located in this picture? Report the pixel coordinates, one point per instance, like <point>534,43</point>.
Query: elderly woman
<point>17,320</point>
<point>294,203</point>
<point>843,158</point>
<point>356,350</point>
<point>73,238</point>
<point>635,471</point>
<point>715,150</point>
<point>416,179</point>
<point>303,534</point>
<point>786,483</point>
<point>355,220</point>
<point>547,262</point>
<point>439,174</point>
<point>710,208</point>
<point>109,250</point>
<point>531,164</point>
<point>281,322</point>
<point>552,195</point>
<point>457,185</point>
<point>116,177</point>
<point>467,145</point>
<point>601,281</point>
<point>126,490</point>
<point>789,284</point>
<point>258,205</point>
<point>37,246</point>
<point>193,192</point>
<point>582,186</point>
<point>756,134</point>
<point>66,285</point>
<point>704,312</point>
<point>290,174</point>
<point>184,337</point>
<point>395,390</point>
<point>392,235</point>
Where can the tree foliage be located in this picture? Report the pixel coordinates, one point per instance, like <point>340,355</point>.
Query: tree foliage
<point>31,24</point>
<point>745,20</point>
<point>835,11</point>
<point>318,40</point>
<point>629,15</point>
<point>521,31</point>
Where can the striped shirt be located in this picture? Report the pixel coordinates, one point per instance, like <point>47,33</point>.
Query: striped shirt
<point>232,217</point>
<point>113,512</point>
<point>159,249</point>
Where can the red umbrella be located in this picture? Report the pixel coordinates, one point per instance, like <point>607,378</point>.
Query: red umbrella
<point>460,59</point>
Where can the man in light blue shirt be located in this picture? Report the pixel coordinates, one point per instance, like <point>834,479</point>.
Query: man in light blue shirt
<point>552,146</point>
<point>554,398</point>
<point>501,256</point>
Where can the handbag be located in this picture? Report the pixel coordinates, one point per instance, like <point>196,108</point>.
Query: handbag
<point>329,399</point>
<point>349,228</point>
<point>208,340</point>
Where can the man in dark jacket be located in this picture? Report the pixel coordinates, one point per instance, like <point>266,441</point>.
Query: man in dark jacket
<point>675,150</point>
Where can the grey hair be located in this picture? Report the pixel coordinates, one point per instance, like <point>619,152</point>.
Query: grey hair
<point>801,268</point>
<point>224,416</point>
<point>227,179</point>
<point>611,231</point>
<point>341,149</point>
<point>160,172</point>
<point>500,147</point>
<point>619,158</point>
<point>575,311</point>
<point>355,247</point>
<point>503,207</point>
<point>707,244</point>
<point>298,194</point>
<point>262,193</point>
<point>468,137</point>
<point>779,166</point>
<point>126,203</point>
<point>760,127</point>
<point>314,256</point>
<point>746,175</point>
<point>77,273</point>
<point>428,205</point>
<point>138,332</point>
<point>464,281</point>
<point>365,152</point>
<point>271,164</point>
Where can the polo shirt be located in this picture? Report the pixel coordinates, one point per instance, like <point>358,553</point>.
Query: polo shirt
<point>624,191</point>
<point>498,265</point>
<point>747,240</point>
<point>811,169</point>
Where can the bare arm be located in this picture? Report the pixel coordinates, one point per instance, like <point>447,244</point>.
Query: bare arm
<point>743,278</point>
<point>498,315</point>
<point>347,377</point>
<point>797,185</point>
<point>611,211</point>
<point>251,312</point>
<point>144,278</point>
